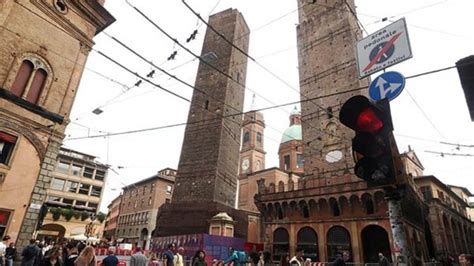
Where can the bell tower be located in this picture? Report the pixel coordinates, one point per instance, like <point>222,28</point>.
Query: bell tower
<point>252,155</point>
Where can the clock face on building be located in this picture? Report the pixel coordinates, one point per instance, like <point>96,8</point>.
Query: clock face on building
<point>334,156</point>
<point>245,164</point>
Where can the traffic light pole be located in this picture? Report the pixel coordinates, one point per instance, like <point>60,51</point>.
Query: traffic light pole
<point>402,253</point>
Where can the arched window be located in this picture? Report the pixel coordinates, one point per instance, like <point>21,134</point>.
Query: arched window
<point>305,211</point>
<point>30,79</point>
<point>259,137</point>
<point>281,186</point>
<point>271,188</point>
<point>279,212</point>
<point>334,208</point>
<point>246,137</point>
<point>22,78</point>
<point>339,241</point>
<point>375,240</point>
<point>280,243</point>
<point>307,240</point>
<point>369,206</point>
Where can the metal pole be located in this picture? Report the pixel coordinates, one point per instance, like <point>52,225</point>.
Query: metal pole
<point>402,253</point>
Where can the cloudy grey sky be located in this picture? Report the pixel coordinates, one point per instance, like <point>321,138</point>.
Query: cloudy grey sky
<point>431,110</point>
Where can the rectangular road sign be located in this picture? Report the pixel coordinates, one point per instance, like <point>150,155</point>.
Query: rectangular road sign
<point>383,48</point>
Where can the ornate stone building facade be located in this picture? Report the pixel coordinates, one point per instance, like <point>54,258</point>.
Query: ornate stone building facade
<point>330,210</point>
<point>452,232</point>
<point>44,48</point>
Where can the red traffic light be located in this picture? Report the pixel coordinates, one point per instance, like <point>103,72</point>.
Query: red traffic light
<point>368,121</point>
<point>361,115</point>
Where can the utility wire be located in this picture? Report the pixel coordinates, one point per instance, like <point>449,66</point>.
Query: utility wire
<point>263,67</point>
<point>425,115</point>
<point>451,154</point>
<point>212,66</point>
<point>257,110</point>
<point>139,76</point>
<point>207,120</point>
<point>355,16</point>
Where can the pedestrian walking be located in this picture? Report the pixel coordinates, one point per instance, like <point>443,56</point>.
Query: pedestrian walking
<point>111,259</point>
<point>298,259</point>
<point>341,259</point>
<point>284,260</point>
<point>10,253</point>
<point>199,258</point>
<point>178,257</point>
<point>86,258</point>
<point>72,255</point>
<point>138,259</point>
<point>383,261</point>
<point>266,259</point>
<point>3,249</point>
<point>52,258</point>
<point>31,254</point>
<point>153,261</point>
<point>169,255</point>
<point>237,257</point>
<point>465,260</point>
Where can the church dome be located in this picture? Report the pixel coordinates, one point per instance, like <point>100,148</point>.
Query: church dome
<point>292,133</point>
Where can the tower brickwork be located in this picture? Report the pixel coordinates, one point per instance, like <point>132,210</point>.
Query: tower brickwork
<point>206,181</point>
<point>327,35</point>
<point>208,165</point>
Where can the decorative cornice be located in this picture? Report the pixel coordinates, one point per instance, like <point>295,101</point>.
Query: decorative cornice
<point>6,94</point>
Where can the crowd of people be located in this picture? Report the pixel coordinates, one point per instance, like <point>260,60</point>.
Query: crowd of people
<point>77,253</point>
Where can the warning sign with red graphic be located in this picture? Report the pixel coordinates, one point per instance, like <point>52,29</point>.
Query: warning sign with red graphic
<point>383,48</point>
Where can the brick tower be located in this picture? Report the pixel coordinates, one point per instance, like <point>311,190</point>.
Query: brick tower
<point>252,155</point>
<point>327,35</point>
<point>207,172</point>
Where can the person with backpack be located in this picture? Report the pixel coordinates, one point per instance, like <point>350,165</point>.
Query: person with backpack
<point>238,258</point>
<point>29,254</point>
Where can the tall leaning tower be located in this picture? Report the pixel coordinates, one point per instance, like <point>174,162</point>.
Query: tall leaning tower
<point>327,35</point>
<point>206,181</point>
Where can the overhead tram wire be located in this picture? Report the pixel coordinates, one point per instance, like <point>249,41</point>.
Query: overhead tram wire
<point>355,16</point>
<point>425,115</point>
<point>264,68</point>
<point>191,52</point>
<point>257,110</point>
<point>139,76</point>
<point>206,120</point>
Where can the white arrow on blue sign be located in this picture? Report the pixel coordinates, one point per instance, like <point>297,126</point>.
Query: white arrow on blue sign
<point>388,85</point>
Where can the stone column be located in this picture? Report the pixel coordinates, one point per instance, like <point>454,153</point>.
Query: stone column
<point>148,241</point>
<point>38,195</point>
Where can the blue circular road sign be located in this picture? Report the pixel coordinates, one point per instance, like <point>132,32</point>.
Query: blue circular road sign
<point>388,85</point>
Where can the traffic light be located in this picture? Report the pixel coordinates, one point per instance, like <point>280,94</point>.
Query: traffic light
<point>373,128</point>
<point>465,68</point>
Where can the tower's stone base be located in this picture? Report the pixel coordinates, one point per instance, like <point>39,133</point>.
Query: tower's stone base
<point>180,218</point>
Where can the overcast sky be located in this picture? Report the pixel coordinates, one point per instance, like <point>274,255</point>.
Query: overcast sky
<point>432,109</point>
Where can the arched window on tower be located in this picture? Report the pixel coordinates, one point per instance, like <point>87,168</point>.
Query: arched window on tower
<point>259,138</point>
<point>246,137</point>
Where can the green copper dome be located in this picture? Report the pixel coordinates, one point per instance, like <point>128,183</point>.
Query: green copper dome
<point>292,133</point>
